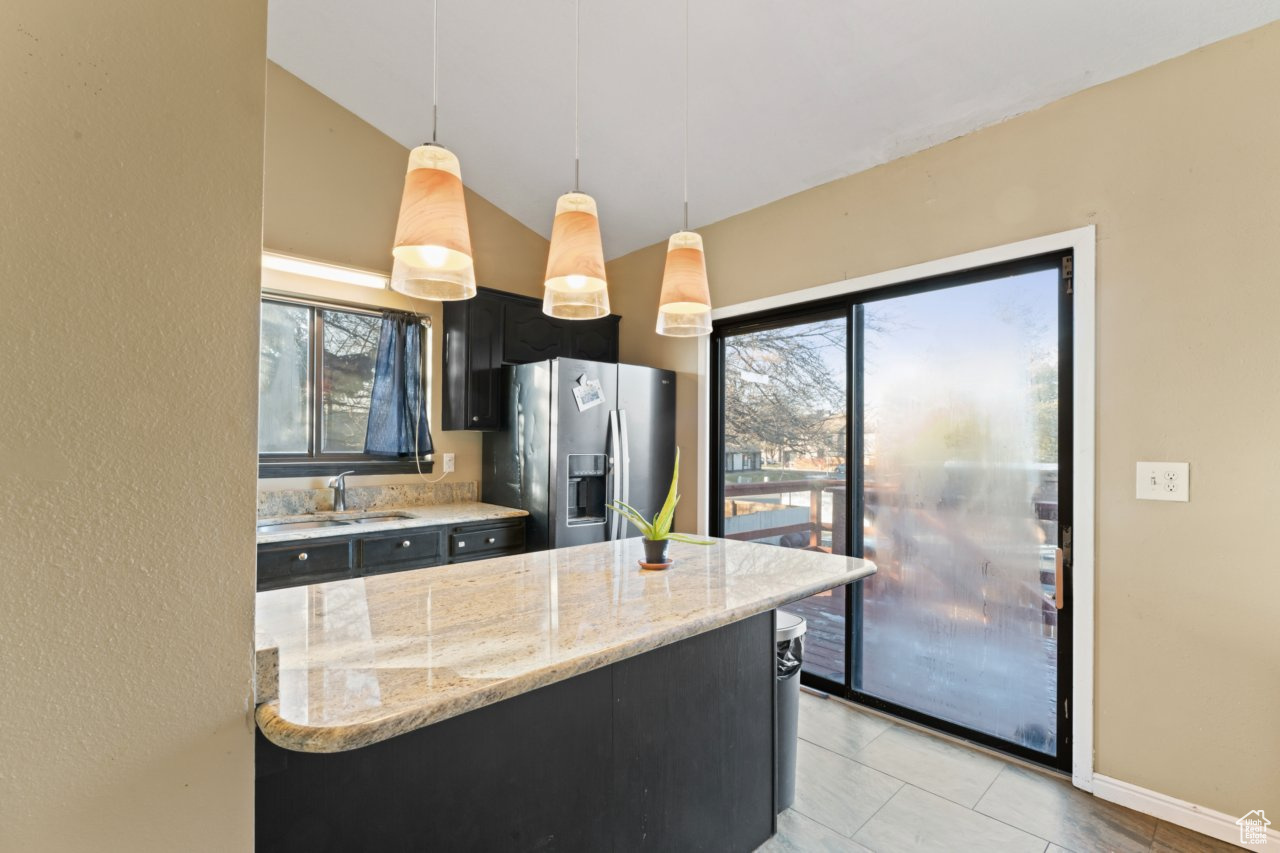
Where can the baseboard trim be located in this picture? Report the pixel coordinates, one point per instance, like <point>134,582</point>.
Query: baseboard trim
<point>1188,815</point>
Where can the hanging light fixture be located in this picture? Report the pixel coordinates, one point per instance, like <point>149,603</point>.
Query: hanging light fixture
<point>684,307</point>
<point>575,286</point>
<point>432,251</point>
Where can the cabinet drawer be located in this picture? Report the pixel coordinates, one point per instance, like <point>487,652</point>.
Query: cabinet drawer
<point>395,550</point>
<point>467,542</point>
<point>303,562</point>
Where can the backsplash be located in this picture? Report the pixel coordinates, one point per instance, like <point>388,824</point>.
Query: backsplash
<point>272,504</point>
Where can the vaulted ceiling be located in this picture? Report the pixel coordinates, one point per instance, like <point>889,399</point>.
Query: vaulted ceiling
<point>784,94</point>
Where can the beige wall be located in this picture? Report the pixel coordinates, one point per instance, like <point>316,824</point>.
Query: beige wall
<point>333,185</point>
<point>1179,168</point>
<point>132,187</point>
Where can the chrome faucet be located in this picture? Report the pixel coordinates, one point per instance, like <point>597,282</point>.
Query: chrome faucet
<point>339,486</point>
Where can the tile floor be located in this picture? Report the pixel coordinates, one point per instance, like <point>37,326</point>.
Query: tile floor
<point>867,783</point>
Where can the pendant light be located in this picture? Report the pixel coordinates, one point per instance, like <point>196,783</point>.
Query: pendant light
<point>432,252</point>
<point>684,307</point>
<point>575,286</point>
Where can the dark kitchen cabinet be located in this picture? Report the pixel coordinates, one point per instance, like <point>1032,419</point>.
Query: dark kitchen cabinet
<point>493,539</point>
<point>529,335</point>
<point>496,328</point>
<point>472,363</point>
<point>593,340</point>
<point>303,562</point>
<point>335,558</point>
<point>401,549</point>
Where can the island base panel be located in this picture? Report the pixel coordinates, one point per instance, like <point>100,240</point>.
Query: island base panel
<point>669,750</point>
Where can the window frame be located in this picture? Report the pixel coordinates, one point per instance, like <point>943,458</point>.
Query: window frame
<point>315,463</point>
<point>851,303</point>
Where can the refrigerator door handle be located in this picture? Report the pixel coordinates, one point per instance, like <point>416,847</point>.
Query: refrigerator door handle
<point>615,452</point>
<point>624,445</point>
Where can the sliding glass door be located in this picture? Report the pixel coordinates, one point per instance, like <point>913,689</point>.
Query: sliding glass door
<point>933,414</point>
<point>785,456</point>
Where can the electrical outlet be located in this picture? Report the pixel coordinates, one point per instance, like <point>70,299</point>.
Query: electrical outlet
<point>1164,481</point>
<point>447,460</point>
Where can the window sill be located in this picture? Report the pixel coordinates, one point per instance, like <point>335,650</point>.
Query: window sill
<point>332,467</point>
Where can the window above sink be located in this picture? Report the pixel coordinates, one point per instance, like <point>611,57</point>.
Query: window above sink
<point>315,381</point>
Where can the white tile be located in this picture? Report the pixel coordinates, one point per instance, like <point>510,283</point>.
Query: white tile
<point>837,791</point>
<point>1052,809</point>
<point>920,822</point>
<point>959,774</point>
<point>799,834</point>
<point>837,725</point>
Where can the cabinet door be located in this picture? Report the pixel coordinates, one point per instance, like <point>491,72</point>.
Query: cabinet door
<point>529,335</point>
<point>304,562</point>
<point>482,334</point>
<point>592,340</point>
<point>494,539</point>
<point>403,549</point>
<point>453,391</point>
<point>484,362</point>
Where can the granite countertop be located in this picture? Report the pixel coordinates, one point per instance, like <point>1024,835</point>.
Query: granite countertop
<point>418,516</point>
<point>361,661</point>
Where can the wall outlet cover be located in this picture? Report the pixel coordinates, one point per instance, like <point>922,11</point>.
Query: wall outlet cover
<point>1164,481</point>
<point>447,460</point>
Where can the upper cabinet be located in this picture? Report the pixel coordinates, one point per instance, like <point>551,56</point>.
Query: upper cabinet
<point>495,328</point>
<point>529,335</point>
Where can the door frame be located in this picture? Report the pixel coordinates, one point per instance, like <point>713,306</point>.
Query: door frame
<point>1082,243</point>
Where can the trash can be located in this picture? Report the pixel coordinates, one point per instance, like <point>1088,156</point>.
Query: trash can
<point>789,640</point>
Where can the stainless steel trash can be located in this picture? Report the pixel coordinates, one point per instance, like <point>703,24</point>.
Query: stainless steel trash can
<point>789,642</point>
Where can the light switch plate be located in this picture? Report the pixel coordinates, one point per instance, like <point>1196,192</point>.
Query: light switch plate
<point>447,459</point>
<point>1164,481</point>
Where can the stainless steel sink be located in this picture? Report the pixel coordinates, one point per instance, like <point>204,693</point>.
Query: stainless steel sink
<point>317,523</point>
<point>383,516</point>
<point>286,526</point>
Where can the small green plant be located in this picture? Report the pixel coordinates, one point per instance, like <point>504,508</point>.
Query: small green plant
<point>660,528</point>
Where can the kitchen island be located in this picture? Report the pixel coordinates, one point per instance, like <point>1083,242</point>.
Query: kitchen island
<point>560,700</point>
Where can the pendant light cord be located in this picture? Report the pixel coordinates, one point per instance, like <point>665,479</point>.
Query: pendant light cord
<point>577,96</point>
<point>686,115</point>
<point>435,69</point>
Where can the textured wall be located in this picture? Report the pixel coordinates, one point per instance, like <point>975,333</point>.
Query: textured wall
<point>132,187</point>
<point>1179,168</point>
<point>333,185</point>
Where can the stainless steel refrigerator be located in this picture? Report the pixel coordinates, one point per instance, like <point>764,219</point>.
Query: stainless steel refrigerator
<point>576,435</point>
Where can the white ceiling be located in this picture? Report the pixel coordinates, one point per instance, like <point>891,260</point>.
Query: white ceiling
<point>784,94</point>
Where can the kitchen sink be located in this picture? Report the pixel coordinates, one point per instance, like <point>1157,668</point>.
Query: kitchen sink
<point>286,526</point>
<point>317,523</point>
<point>383,516</point>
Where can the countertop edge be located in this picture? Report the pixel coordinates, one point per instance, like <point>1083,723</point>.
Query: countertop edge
<point>481,513</point>
<point>299,737</point>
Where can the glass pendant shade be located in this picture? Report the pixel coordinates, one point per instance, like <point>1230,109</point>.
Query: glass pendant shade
<point>684,308</point>
<point>433,244</point>
<point>575,284</point>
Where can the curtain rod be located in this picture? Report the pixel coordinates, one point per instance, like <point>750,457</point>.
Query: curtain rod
<point>304,299</point>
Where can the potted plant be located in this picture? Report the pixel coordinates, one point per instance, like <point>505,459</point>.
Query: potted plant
<point>657,533</point>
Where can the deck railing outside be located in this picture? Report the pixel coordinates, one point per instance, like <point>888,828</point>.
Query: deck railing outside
<point>819,519</point>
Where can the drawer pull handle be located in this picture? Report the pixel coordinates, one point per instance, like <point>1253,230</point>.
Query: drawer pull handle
<point>302,556</point>
<point>490,541</point>
<point>405,544</point>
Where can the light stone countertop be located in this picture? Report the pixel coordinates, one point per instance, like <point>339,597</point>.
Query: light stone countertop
<point>420,516</point>
<point>364,660</point>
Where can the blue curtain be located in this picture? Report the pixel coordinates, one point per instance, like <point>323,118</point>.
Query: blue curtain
<point>398,403</point>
